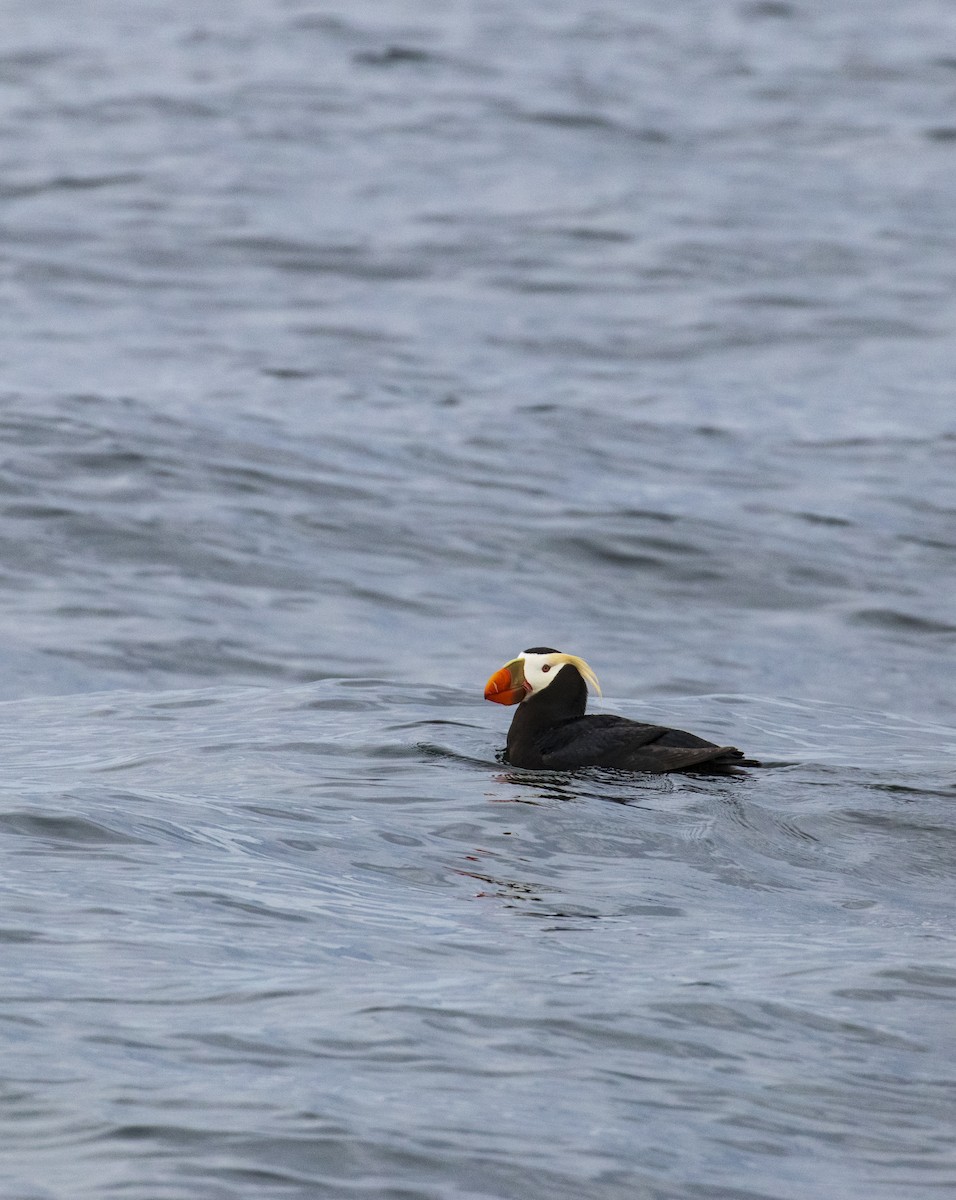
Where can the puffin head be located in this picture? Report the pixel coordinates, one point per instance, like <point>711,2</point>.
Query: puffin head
<point>531,672</point>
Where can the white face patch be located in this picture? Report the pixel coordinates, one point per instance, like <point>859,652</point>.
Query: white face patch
<point>542,669</point>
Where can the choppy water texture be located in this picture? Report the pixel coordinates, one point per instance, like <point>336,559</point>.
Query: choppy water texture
<point>347,349</point>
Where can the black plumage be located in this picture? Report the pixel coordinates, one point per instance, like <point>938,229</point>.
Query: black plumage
<point>550,731</point>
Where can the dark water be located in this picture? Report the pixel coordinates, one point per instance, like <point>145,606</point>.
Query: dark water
<point>346,350</point>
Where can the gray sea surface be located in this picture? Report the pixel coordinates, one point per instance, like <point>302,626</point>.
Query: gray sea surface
<point>346,350</point>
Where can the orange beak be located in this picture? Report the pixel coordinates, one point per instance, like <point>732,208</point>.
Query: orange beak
<point>508,685</point>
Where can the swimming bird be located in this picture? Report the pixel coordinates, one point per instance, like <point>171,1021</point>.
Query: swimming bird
<point>550,731</point>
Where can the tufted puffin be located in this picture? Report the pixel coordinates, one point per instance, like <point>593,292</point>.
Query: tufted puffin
<point>550,731</point>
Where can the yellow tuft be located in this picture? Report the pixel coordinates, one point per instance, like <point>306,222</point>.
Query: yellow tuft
<point>583,667</point>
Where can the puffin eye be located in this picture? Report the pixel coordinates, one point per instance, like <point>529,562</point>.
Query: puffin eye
<point>546,668</point>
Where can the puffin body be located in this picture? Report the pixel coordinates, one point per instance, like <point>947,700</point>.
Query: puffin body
<point>550,731</point>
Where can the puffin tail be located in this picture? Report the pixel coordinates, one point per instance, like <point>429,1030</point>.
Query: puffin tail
<point>729,758</point>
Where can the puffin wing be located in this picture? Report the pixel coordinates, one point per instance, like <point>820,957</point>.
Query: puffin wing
<point>657,759</point>
<point>608,741</point>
